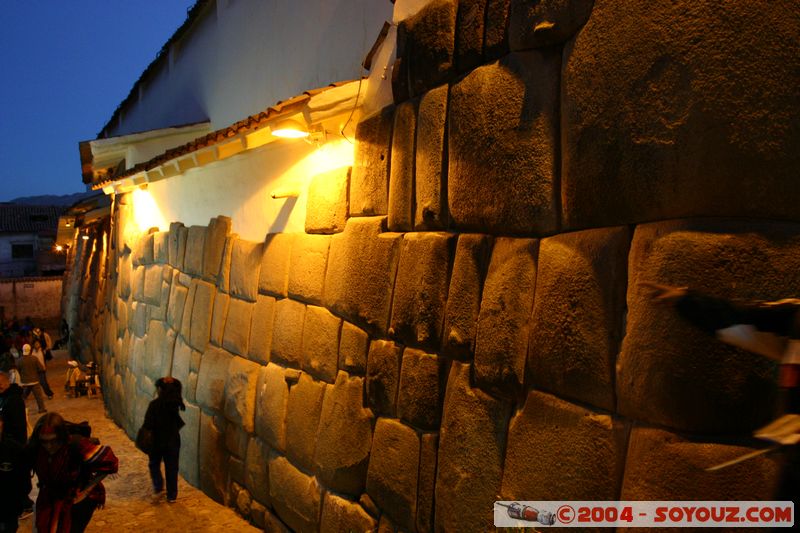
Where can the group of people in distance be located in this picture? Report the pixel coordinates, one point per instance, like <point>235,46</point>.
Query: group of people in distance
<point>25,350</point>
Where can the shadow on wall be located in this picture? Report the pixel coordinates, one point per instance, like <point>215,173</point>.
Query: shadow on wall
<point>282,219</point>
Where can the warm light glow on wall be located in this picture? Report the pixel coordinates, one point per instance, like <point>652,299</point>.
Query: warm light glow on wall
<point>146,213</point>
<point>332,154</point>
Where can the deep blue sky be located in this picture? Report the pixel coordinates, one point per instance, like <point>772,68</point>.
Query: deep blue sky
<point>64,67</point>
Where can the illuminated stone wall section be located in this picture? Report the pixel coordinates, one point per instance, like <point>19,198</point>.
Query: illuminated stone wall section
<point>354,377</point>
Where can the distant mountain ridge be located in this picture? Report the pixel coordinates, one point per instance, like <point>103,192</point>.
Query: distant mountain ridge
<point>64,200</point>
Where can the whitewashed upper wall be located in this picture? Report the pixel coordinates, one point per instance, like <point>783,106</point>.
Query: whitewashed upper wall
<point>245,55</point>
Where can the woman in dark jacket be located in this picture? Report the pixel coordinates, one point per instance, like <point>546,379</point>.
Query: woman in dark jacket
<point>163,419</point>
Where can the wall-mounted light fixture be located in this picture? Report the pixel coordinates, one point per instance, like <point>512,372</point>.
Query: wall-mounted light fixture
<point>85,237</point>
<point>290,129</point>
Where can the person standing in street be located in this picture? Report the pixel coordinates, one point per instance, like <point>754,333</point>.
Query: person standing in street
<point>39,353</point>
<point>29,368</point>
<point>163,419</point>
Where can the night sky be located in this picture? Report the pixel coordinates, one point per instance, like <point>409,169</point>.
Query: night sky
<point>66,65</point>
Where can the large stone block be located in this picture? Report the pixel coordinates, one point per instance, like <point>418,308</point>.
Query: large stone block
<point>393,471</point>
<point>287,333</point>
<point>422,386</point>
<point>159,345</point>
<point>223,281</point>
<point>218,230</point>
<point>125,272</point>
<point>138,283</point>
<point>186,319</point>
<point>470,29</point>
<point>545,23</point>
<point>219,318</point>
<point>428,44</point>
<point>496,32</point>
<point>429,171</point>
<point>588,446</point>
<point>213,458</point>
<point>464,295</point>
<point>503,134</point>
<point>671,373</point>
<point>151,293</point>
<point>139,319</point>
<point>274,275</point>
<point>344,437</point>
<point>237,327</point>
<point>429,445</point>
<point>302,420</point>
<point>353,346</point>
<point>212,377</point>
<point>339,514</point>
<point>261,326</point>
<point>195,250</point>
<point>578,310</point>
<point>256,471</point>
<point>501,345</point>
<point>246,269</point>
<point>236,441</point>
<point>202,306</point>
<point>296,496</point>
<point>161,247</point>
<point>321,343</point>
<point>664,124</point>
<point>328,205</point>
<point>181,364</point>
<point>401,168</point>
<point>471,448</point>
<point>383,376</point>
<point>272,396</point>
<point>240,392</point>
<point>663,465</point>
<point>190,444</point>
<point>369,180</point>
<point>307,267</point>
<point>420,289</point>
<point>159,312</point>
<point>361,272</point>
<point>172,245</point>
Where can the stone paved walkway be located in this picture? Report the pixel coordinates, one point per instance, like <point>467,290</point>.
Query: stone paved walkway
<point>129,505</point>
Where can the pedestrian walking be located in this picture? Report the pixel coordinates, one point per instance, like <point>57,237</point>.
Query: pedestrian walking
<point>70,469</point>
<point>39,353</point>
<point>16,485</point>
<point>29,368</point>
<point>164,421</point>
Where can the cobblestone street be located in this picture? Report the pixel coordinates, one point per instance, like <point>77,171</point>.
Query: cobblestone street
<point>130,505</point>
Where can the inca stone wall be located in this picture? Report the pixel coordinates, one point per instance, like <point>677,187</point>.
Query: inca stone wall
<point>461,320</point>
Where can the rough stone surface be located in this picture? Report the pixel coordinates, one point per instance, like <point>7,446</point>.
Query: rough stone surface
<point>190,444</point>
<point>159,312</point>
<point>321,343</point>
<point>370,175</point>
<point>302,420</point>
<point>361,272</point>
<point>393,471</point>
<point>223,281</point>
<point>213,471</point>
<point>139,319</point>
<point>581,455</point>
<point>430,163</point>
<point>152,284</point>
<point>236,441</point>
<point>576,327</point>
<point>429,445</point>
<point>211,378</point>
<point>421,288</point>
<point>195,250</point>
<point>296,496</point>
<point>674,110</point>
<point>422,386</point>
<point>328,205</point>
<point>503,133</point>
<point>287,333</point>
<point>428,44</point>
<point>344,437</point>
<point>202,307</point>
<point>261,329</point>
<point>181,366</point>
<point>273,524</point>
<point>496,33</point>
<point>339,514</point>
<point>186,319</point>
<point>240,392</point>
<point>237,327</point>
<point>383,376</point>
<point>353,346</point>
<point>245,269</point>
<point>546,23</point>
<point>307,267</point>
<point>177,300</point>
<point>401,168</point>
<point>274,275</point>
<point>272,395</point>
<point>464,295</point>
<point>138,283</point>
<point>161,247</point>
<point>471,446</point>
<point>501,345</point>
<point>158,349</point>
<point>218,230</point>
<point>219,318</point>
<point>124,277</point>
<point>183,240</point>
<point>470,22</point>
<point>256,470</point>
<point>661,465</point>
<point>671,373</point>
<point>172,245</point>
